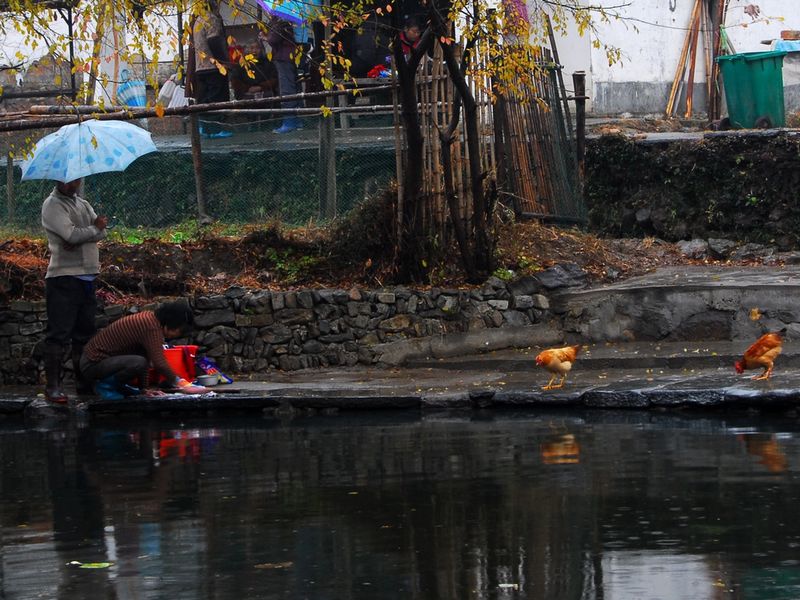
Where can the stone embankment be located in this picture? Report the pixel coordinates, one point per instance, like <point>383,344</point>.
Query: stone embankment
<point>258,332</point>
<point>254,331</point>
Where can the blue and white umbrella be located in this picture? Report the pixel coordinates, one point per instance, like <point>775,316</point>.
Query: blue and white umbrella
<point>296,12</point>
<point>87,148</point>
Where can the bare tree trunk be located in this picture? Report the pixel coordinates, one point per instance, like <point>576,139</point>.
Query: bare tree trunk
<point>447,137</point>
<point>482,248</point>
<point>412,244</point>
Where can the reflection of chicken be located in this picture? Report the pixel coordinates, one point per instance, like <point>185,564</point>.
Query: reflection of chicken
<point>766,446</point>
<point>558,361</point>
<point>563,451</point>
<point>761,354</point>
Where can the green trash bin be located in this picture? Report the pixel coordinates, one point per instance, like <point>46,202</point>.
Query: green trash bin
<point>754,89</point>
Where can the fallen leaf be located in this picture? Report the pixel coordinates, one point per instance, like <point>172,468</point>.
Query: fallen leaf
<point>280,565</point>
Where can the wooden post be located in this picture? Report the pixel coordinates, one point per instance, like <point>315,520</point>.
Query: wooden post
<point>197,163</point>
<point>559,73</point>
<point>327,167</point>
<point>327,150</point>
<point>11,202</point>
<point>579,84</point>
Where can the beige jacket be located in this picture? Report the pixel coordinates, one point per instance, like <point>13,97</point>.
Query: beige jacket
<point>206,26</point>
<point>69,223</point>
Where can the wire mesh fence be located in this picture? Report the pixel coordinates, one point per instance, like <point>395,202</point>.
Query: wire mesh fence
<point>252,176</point>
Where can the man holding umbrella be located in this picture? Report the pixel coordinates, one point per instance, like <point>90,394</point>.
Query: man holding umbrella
<point>73,230</point>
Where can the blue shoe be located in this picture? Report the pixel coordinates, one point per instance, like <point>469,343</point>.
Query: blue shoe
<point>288,126</point>
<point>108,389</point>
<point>216,135</point>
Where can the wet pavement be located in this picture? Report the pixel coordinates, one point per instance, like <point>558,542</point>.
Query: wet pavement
<point>628,375</point>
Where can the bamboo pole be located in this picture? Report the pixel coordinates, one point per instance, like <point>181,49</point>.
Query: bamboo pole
<point>714,97</point>
<point>707,47</point>
<point>67,115</point>
<point>682,62</point>
<point>399,159</point>
<point>692,63</point>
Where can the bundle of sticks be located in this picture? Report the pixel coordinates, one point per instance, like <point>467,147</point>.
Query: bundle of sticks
<point>708,19</point>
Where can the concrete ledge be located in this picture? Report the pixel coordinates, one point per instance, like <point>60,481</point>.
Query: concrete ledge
<point>471,342</point>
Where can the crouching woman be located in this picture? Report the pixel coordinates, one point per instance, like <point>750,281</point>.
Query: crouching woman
<point>125,350</point>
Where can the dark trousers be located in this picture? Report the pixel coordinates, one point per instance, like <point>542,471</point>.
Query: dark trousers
<point>123,368</point>
<point>212,86</point>
<point>287,82</point>
<point>71,307</point>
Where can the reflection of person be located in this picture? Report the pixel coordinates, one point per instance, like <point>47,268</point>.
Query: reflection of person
<point>73,230</point>
<point>209,53</point>
<point>125,349</point>
<point>280,37</point>
<point>262,79</point>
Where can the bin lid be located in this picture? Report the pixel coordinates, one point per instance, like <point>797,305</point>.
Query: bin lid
<point>751,56</point>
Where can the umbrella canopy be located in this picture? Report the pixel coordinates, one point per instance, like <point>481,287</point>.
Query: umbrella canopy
<point>294,11</point>
<point>86,148</point>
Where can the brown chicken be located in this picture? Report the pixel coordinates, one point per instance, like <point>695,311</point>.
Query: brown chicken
<point>559,362</point>
<point>762,354</point>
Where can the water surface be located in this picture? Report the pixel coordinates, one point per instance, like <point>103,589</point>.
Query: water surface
<point>576,505</point>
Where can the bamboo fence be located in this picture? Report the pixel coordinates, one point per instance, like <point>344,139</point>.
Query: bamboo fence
<point>537,174</point>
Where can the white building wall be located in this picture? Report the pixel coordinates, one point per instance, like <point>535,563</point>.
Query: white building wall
<point>650,34</point>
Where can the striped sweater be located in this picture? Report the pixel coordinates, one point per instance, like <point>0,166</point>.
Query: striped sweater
<point>140,333</point>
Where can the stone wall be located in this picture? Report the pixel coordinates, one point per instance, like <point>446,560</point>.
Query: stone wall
<point>739,185</point>
<point>253,331</point>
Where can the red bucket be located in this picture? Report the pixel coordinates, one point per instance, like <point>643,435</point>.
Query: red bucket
<point>181,359</point>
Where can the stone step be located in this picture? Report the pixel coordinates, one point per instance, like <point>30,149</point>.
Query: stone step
<point>633,355</point>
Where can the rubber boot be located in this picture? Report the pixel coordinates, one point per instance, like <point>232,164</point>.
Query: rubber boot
<point>289,124</point>
<point>82,387</point>
<point>53,354</point>
<point>108,389</point>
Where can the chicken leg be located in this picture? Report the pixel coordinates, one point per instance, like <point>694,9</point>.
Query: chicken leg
<point>765,375</point>
<point>551,386</point>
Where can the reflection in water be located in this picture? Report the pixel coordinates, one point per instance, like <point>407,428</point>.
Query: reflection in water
<point>615,506</point>
<point>563,450</point>
<point>767,448</point>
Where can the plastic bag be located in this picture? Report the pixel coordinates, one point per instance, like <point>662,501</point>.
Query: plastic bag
<point>178,97</point>
<point>209,367</point>
<point>167,91</point>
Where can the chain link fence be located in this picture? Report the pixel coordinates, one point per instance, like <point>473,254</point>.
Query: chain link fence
<point>253,176</point>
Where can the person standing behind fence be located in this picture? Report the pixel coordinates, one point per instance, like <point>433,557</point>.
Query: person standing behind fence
<point>73,230</point>
<point>208,53</point>
<point>280,37</point>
